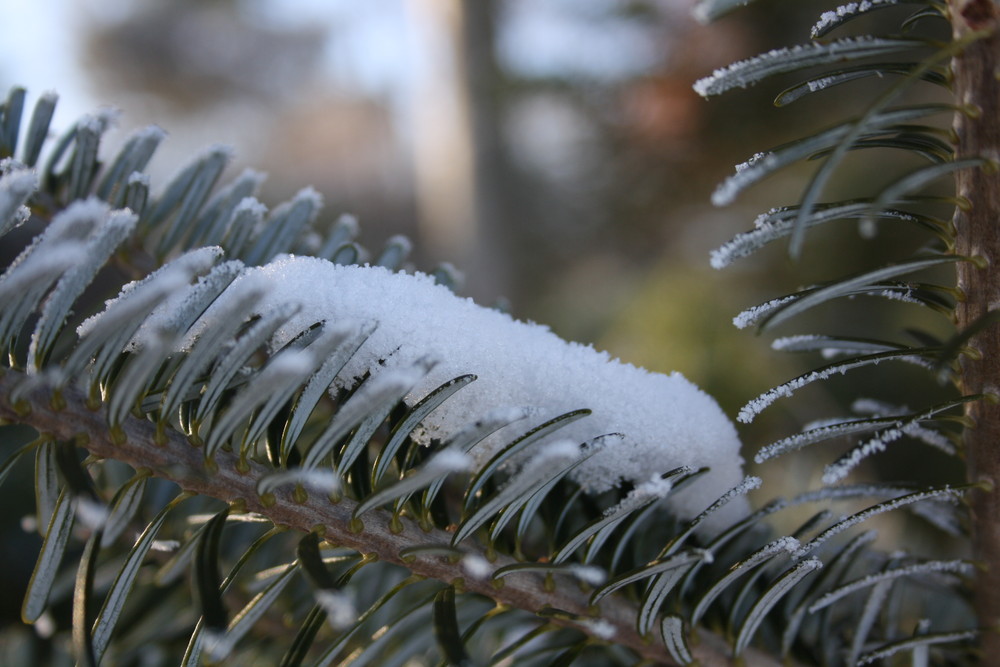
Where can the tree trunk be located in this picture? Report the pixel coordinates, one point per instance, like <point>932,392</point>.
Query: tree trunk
<point>977,87</point>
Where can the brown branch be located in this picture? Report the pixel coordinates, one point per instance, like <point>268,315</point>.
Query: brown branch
<point>977,89</point>
<point>177,460</point>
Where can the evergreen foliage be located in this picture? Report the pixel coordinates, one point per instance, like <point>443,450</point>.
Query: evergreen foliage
<point>212,502</point>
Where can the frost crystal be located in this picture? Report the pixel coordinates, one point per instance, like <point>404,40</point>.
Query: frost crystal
<point>15,188</point>
<point>216,643</point>
<point>138,178</point>
<point>911,427</point>
<point>667,422</point>
<point>449,460</point>
<point>792,343</point>
<point>919,642</point>
<point>820,84</point>
<point>837,471</point>
<point>706,11</point>
<point>830,20</point>
<point>779,222</point>
<point>655,487</point>
<point>644,493</point>
<point>901,294</point>
<point>169,278</point>
<point>750,316</point>
<point>747,173</point>
<point>748,72</point>
<point>943,493</point>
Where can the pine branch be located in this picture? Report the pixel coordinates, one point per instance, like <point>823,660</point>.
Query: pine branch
<point>171,456</point>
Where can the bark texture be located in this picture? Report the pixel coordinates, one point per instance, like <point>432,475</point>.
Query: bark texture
<point>977,227</point>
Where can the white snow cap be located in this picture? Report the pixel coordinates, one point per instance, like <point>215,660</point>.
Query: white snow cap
<point>666,421</point>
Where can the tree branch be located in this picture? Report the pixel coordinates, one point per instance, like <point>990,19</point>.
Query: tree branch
<point>177,460</point>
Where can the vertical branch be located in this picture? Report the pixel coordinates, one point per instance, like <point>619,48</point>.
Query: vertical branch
<point>977,230</point>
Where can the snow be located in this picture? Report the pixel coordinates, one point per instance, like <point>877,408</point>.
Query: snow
<point>57,259</point>
<point>339,606</point>
<point>91,513</point>
<point>589,574</point>
<point>250,204</point>
<point>601,628</point>
<point>317,480</point>
<point>917,643</point>
<point>399,245</point>
<point>181,307</point>
<point>138,178</point>
<point>15,187</point>
<point>170,278</point>
<point>931,438</point>
<point>450,460</point>
<point>821,83</point>
<point>751,316</point>
<point>293,362</point>
<point>476,566</point>
<point>667,422</point>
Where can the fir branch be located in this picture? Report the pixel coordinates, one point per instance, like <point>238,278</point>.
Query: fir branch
<point>171,456</point>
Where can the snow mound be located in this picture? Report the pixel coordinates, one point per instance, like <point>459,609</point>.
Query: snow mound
<point>665,420</point>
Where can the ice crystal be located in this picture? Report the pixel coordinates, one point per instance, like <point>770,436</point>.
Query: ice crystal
<point>748,72</point>
<point>829,20</point>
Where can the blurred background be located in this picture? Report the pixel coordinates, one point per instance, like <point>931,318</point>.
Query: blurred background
<point>552,150</point>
